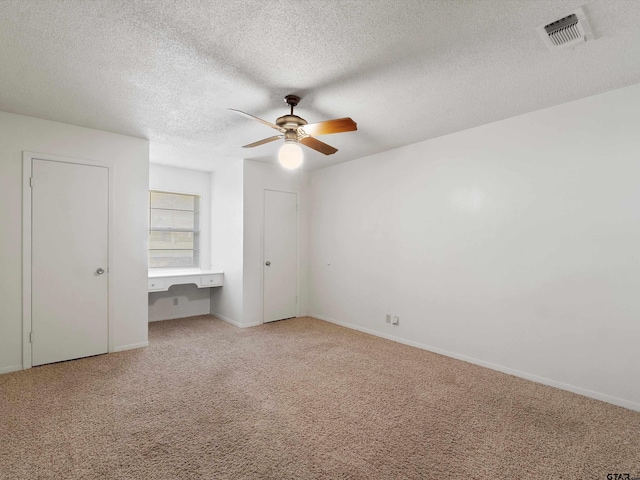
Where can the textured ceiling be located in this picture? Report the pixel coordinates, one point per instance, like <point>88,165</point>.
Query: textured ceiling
<point>404,70</point>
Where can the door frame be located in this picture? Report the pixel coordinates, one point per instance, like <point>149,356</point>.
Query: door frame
<point>264,203</point>
<point>27,168</point>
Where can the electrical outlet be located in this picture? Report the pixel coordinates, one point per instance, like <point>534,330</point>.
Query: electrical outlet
<point>175,300</point>
<point>396,321</point>
<point>388,318</point>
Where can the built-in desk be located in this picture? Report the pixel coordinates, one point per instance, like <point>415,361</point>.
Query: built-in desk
<point>161,279</point>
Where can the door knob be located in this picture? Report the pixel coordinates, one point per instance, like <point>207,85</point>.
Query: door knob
<point>267,263</point>
<point>100,271</point>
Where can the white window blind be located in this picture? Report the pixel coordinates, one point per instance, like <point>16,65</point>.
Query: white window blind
<point>173,230</point>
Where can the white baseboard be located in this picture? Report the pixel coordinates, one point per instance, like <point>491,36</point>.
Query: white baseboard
<point>132,346</point>
<point>176,316</point>
<point>227,319</point>
<point>11,368</point>
<point>493,366</point>
<point>235,323</point>
<point>249,325</point>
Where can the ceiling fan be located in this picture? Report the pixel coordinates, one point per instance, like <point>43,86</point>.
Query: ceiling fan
<point>295,130</point>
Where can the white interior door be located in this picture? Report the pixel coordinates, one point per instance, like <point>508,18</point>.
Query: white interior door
<point>280,255</point>
<point>69,285</point>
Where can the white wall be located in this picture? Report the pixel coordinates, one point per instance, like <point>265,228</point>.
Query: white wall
<point>237,228</point>
<point>191,299</point>
<point>514,245</point>
<point>128,276</point>
<point>226,241</point>
<point>259,176</point>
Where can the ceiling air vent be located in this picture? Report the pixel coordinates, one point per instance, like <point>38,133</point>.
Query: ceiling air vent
<point>566,32</point>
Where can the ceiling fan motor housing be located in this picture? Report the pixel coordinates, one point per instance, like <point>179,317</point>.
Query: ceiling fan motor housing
<point>290,121</point>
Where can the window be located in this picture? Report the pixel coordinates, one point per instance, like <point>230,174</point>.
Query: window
<point>173,230</point>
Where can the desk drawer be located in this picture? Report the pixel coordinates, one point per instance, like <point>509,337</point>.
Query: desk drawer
<point>156,284</point>
<point>213,280</point>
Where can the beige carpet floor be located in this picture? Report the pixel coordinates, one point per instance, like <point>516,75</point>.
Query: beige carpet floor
<point>299,399</point>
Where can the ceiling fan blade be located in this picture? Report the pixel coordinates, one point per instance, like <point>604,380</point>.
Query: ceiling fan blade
<point>262,142</point>
<point>318,145</point>
<point>338,125</point>
<point>268,124</point>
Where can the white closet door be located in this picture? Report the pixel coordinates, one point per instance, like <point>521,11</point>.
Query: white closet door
<point>281,255</point>
<point>70,221</point>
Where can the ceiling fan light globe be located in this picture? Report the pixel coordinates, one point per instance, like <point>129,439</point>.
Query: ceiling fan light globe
<point>290,155</point>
